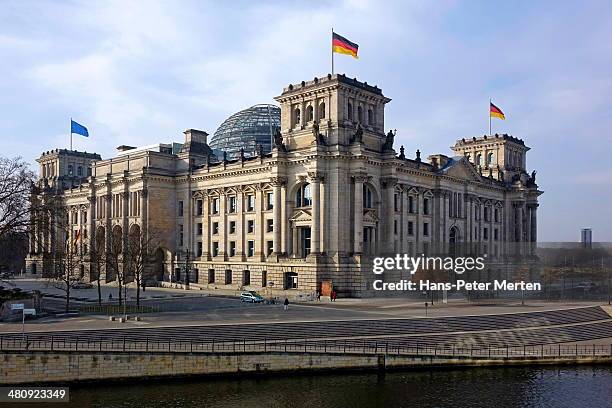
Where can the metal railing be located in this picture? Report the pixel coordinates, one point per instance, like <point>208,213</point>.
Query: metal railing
<point>348,346</point>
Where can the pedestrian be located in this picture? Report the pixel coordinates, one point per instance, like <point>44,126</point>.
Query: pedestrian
<point>333,295</point>
<point>318,296</point>
<point>286,304</point>
<point>110,297</point>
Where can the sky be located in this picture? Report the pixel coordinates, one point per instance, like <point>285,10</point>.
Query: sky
<point>141,72</point>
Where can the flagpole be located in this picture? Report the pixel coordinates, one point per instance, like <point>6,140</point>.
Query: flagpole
<point>490,102</point>
<point>71,134</point>
<point>332,51</point>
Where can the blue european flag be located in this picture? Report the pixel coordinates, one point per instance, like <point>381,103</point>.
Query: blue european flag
<point>78,129</point>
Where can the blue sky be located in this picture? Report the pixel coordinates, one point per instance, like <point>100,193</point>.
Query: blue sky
<point>141,72</point>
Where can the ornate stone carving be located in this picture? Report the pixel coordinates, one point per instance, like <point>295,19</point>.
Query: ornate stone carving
<point>316,176</point>
<point>278,181</point>
<point>358,136</point>
<point>388,145</point>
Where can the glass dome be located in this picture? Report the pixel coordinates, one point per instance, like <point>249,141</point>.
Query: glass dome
<point>246,129</point>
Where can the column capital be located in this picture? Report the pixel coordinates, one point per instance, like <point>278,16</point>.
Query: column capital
<point>360,177</point>
<point>144,192</point>
<point>278,181</point>
<point>316,176</point>
<point>388,182</point>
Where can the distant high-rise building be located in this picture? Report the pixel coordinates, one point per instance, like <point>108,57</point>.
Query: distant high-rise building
<point>586,237</point>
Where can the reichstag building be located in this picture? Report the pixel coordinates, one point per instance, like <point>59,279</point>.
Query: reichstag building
<point>286,201</point>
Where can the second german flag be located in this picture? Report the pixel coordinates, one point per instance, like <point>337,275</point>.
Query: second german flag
<point>343,46</point>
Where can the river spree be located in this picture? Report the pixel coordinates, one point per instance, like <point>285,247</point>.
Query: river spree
<point>563,386</point>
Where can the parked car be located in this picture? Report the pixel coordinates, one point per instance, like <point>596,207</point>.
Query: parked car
<point>82,285</point>
<point>251,297</point>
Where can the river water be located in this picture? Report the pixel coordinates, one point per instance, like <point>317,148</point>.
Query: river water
<point>563,386</point>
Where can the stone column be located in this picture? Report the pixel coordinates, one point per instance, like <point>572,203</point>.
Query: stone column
<point>388,214</point>
<point>222,225</point>
<point>260,229</point>
<point>534,223</point>
<point>144,210</point>
<point>240,253</point>
<point>358,216</point>
<point>206,227</point>
<point>277,183</point>
<point>315,233</point>
<point>284,219</point>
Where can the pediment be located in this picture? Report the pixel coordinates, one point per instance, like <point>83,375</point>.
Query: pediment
<point>370,216</point>
<point>301,216</point>
<point>461,168</point>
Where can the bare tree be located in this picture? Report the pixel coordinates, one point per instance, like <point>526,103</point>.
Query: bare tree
<point>115,258</point>
<point>97,259</point>
<point>140,257</point>
<point>66,273</point>
<point>15,186</point>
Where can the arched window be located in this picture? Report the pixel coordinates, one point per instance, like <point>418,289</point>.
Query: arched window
<point>478,159</point>
<point>489,159</point>
<point>359,114</point>
<point>79,171</point>
<point>468,156</point>
<point>350,111</point>
<point>310,114</point>
<point>70,169</point>
<point>303,196</point>
<point>370,117</point>
<point>322,110</point>
<point>296,116</point>
<point>367,197</point>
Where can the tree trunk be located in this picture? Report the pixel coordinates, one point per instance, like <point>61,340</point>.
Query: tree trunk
<point>99,288</point>
<point>137,292</point>
<point>67,296</point>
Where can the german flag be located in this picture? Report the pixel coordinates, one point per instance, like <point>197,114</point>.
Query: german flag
<point>495,112</point>
<point>343,46</point>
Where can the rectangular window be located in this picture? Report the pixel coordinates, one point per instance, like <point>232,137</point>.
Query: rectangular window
<point>214,206</point>
<point>485,234</point>
<point>181,235</point>
<point>425,229</point>
<point>215,248</point>
<point>250,226</point>
<point>232,248</point>
<point>232,227</point>
<point>250,202</point>
<point>269,247</point>
<point>269,200</point>
<point>426,206</point>
<point>200,248</point>
<point>211,276</point>
<point>231,204</point>
<point>496,215</point>
<point>200,228</point>
<point>495,234</point>
<point>410,228</point>
<point>395,227</point>
<point>246,278</point>
<point>199,207</point>
<point>487,214</point>
<point>250,248</point>
<point>228,276</point>
<point>396,199</point>
<point>411,204</point>
<point>180,208</point>
<point>269,225</point>
<point>264,279</point>
<point>215,228</point>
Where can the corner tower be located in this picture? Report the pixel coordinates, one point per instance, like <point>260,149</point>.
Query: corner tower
<point>503,156</point>
<point>335,107</point>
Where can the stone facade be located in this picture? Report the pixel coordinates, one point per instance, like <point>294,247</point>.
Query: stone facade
<point>333,193</point>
